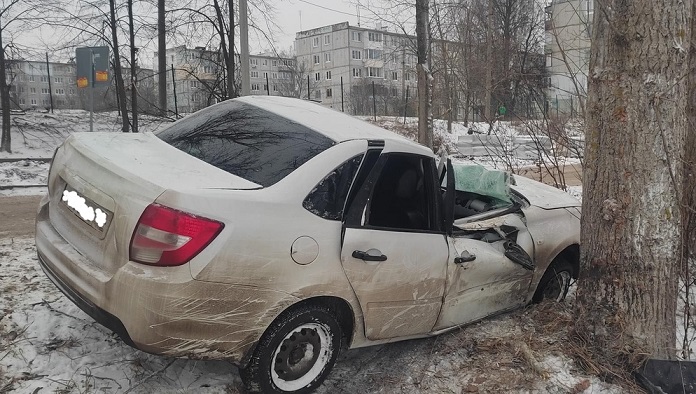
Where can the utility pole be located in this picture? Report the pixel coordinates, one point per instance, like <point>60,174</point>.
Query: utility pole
<point>161,59</point>
<point>50,91</point>
<point>489,67</point>
<point>244,43</point>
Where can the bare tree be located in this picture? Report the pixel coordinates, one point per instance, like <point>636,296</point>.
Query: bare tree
<point>12,12</point>
<point>425,130</point>
<point>634,180</point>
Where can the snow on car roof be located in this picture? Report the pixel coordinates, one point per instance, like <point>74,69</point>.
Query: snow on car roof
<point>336,125</point>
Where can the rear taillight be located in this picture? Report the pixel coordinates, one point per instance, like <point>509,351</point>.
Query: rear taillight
<point>168,237</point>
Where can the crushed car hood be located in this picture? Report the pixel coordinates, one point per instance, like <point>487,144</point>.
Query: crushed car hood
<point>542,195</point>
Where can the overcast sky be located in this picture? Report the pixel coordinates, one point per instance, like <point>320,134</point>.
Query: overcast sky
<point>297,15</point>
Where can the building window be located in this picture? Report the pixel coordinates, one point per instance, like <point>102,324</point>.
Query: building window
<point>375,72</point>
<point>194,84</point>
<point>60,91</point>
<point>317,95</point>
<point>274,75</point>
<point>255,87</point>
<point>254,74</point>
<point>32,90</point>
<point>44,91</point>
<point>357,72</point>
<point>274,63</point>
<point>275,88</point>
<point>31,78</point>
<point>265,62</point>
<point>356,36</point>
<point>328,75</point>
<point>265,88</point>
<point>44,79</point>
<point>327,57</point>
<point>329,92</point>
<point>356,54</point>
<point>254,62</point>
<point>395,76</point>
<point>317,76</point>
<point>373,54</point>
<point>407,76</point>
<point>265,75</point>
<point>315,42</point>
<point>374,36</point>
<point>327,40</point>
<point>316,59</point>
<point>33,101</point>
<point>58,79</point>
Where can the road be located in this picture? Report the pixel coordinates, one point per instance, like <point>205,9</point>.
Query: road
<point>17,215</point>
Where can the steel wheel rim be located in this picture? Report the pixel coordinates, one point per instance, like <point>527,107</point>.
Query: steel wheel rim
<point>557,287</point>
<point>301,356</point>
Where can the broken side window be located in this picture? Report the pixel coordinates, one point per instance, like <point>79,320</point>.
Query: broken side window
<point>328,198</point>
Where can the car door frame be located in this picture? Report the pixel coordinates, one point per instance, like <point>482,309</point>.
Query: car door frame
<point>398,297</point>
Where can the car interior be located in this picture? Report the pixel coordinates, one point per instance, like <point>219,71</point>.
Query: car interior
<point>400,198</point>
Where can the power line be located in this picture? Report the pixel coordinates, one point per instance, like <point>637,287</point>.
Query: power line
<point>326,8</point>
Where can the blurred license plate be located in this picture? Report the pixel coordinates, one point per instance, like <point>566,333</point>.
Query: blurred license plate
<point>87,210</point>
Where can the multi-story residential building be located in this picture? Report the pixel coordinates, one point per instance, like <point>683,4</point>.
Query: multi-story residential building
<point>199,77</point>
<point>567,47</point>
<point>347,66</point>
<point>30,88</point>
<point>272,75</point>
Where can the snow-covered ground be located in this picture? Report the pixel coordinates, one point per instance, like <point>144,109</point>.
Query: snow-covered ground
<point>49,345</point>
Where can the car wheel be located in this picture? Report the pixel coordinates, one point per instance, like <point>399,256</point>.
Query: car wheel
<point>555,282</point>
<point>296,353</point>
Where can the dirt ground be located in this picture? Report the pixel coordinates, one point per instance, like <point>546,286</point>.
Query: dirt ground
<point>571,173</point>
<point>17,215</point>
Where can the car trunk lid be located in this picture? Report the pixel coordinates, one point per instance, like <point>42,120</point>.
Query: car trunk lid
<point>100,183</point>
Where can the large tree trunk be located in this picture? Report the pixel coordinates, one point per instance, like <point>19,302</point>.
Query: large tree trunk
<point>6,141</point>
<point>161,59</point>
<point>633,180</point>
<point>134,68</point>
<point>425,135</point>
<point>120,88</point>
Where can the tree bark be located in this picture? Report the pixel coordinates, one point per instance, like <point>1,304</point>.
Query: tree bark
<point>134,68</point>
<point>633,179</point>
<point>6,141</point>
<point>425,135</point>
<point>120,88</point>
<point>161,59</point>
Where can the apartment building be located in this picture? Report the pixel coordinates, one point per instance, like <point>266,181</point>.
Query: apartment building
<point>567,48</point>
<point>352,58</point>
<point>199,77</point>
<point>30,87</point>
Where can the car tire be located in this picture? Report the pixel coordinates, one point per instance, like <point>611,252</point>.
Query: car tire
<point>555,282</point>
<point>296,353</point>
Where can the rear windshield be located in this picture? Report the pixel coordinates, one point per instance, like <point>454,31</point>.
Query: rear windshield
<point>246,141</point>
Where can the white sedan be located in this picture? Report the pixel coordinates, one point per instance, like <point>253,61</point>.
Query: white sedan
<point>274,232</point>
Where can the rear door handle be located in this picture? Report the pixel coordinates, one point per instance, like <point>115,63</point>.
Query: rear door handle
<point>359,254</point>
<point>465,257</point>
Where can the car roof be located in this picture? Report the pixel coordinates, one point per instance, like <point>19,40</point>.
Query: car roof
<point>333,124</point>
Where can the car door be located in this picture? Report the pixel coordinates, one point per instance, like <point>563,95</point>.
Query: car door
<point>489,268</point>
<point>394,249</point>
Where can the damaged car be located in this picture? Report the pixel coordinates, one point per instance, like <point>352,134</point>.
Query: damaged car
<point>274,233</point>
